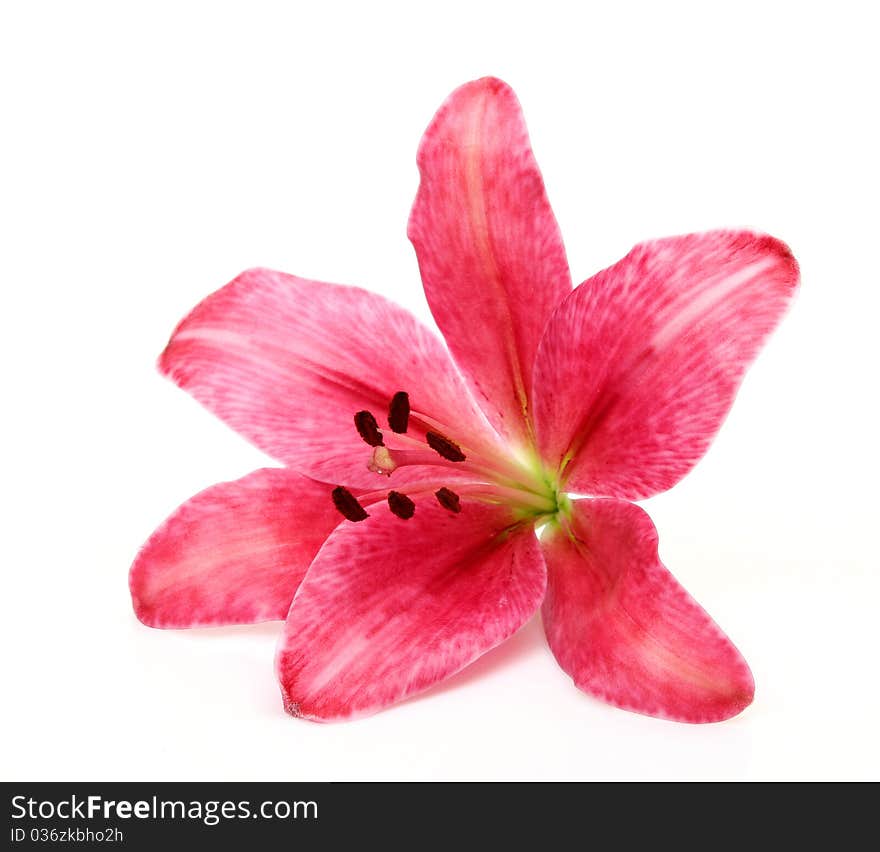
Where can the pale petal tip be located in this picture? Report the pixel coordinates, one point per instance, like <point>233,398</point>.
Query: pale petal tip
<point>719,710</point>
<point>789,269</point>
<point>298,710</point>
<point>723,705</point>
<point>742,696</point>
<point>787,259</point>
<point>294,708</point>
<point>493,85</point>
<point>144,613</point>
<point>459,104</point>
<point>765,244</point>
<point>166,362</point>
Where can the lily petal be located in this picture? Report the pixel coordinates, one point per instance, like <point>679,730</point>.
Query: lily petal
<point>641,363</point>
<point>233,554</point>
<point>288,362</point>
<point>390,607</point>
<point>624,629</point>
<point>489,249</point>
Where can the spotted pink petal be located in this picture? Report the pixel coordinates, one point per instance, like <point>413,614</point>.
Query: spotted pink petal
<point>288,362</point>
<point>233,554</point>
<point>390,607</point>
<point>640,364</point>
<point>624,629</point>
<point>489,248</point>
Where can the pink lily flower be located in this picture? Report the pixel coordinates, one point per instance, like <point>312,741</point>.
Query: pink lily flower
<point>400,553</point>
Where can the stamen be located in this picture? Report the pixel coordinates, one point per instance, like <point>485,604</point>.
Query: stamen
<point>401,505</point>
<point>348,504</point>
<point>446,448</point>
<point>368,428</point>
<point>398,412</point>
<point>448,499</point>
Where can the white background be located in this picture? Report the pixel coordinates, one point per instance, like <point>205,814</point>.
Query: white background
<point>152,151</point>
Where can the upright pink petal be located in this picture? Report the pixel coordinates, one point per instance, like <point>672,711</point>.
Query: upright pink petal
<point>489,248</point>
<point>640,364</point>
<point>390,607</point>
<point>233,554</point>
<point>625,630</point>
<point>288,362</point>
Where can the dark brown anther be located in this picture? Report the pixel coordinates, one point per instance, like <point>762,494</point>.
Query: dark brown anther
<point>348,505</point>
<point>448,499</point>
<point>401,505</point>
<point>368,428</point>
<point>398,412</point>
<point>448,449</point>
